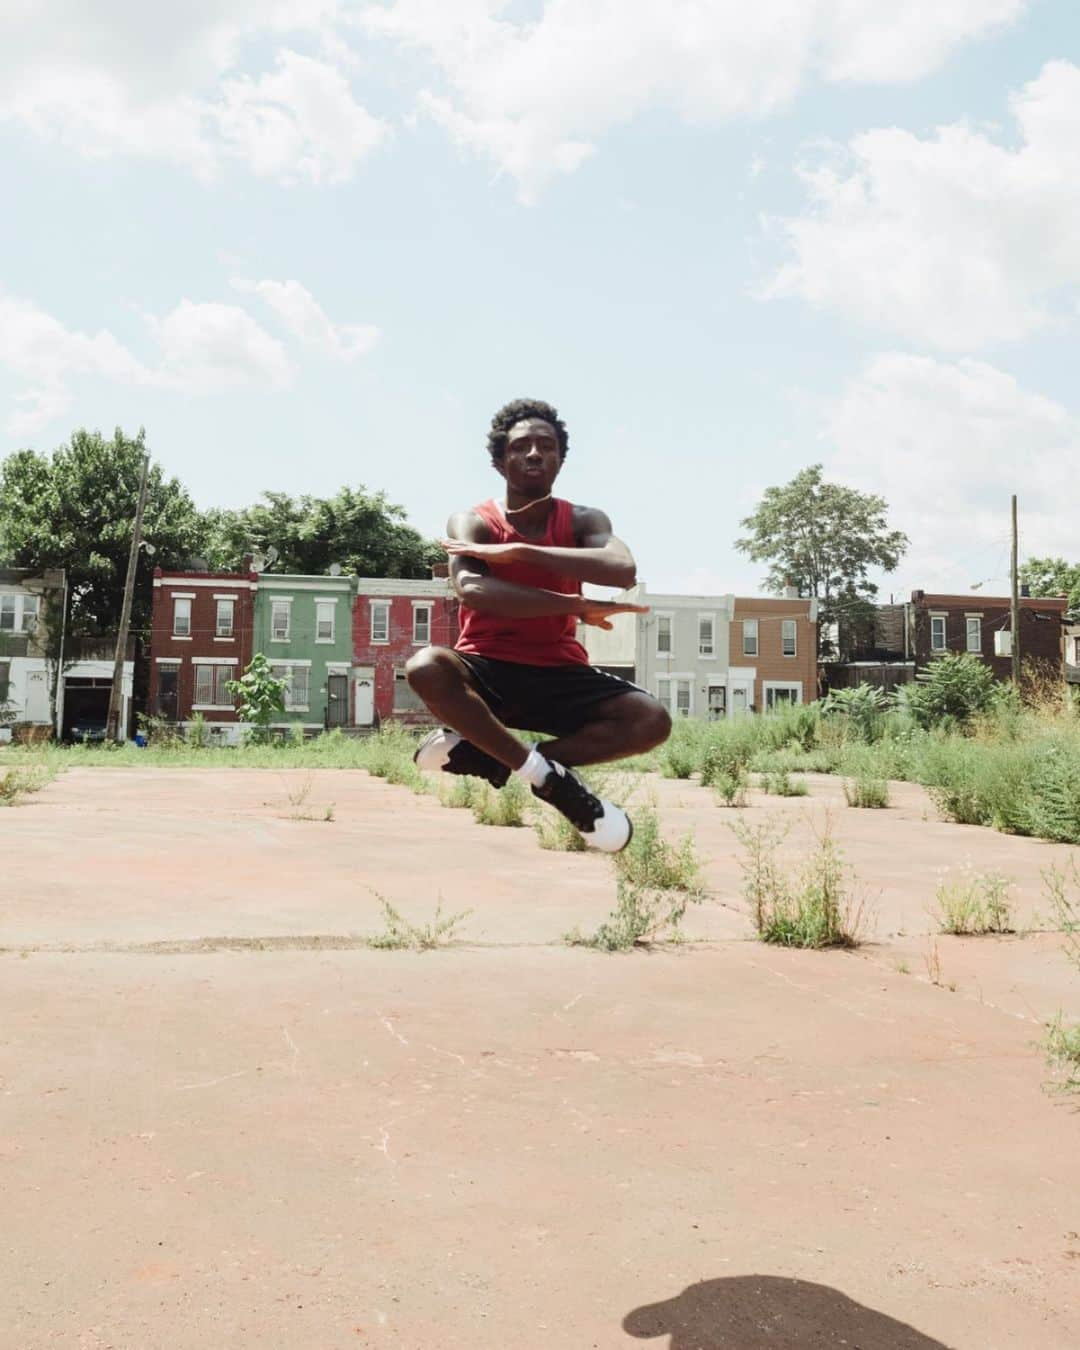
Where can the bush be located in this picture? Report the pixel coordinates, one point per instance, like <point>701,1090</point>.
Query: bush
<point>1054,796</point>
<point>501,806</point>
<point>860,709</point>
<point>778,784</point>
<point>865,791</point>
<point>952,690</point>
<point>731,787</point>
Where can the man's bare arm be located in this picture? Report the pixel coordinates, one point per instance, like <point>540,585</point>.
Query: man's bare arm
<point>477,588</point>
<point>602,558</point>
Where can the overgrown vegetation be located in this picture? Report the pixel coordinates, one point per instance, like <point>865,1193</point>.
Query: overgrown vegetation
<point>501,806</point>
<point>399,933</point>
<point>1062,1042</point>
<point>816,906</point>
<point>18,783</point>
<point>655,882</point>
<point>867,791</point>
<point>974,903</point>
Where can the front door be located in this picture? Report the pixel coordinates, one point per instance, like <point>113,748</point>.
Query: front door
<point>365,701</point>
<point>168,680</point>
<point>337,700</point>
<point>37,696</point>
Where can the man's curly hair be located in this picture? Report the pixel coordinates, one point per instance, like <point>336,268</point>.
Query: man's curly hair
<point>521,410</point>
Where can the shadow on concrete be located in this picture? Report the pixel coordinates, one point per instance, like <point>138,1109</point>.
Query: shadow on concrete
<point>765,1312</point>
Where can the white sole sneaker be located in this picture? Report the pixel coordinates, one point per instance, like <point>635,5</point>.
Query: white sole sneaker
<point>602,824</point>
<point>433,752</point>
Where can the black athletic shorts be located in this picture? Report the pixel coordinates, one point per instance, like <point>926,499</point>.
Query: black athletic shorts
<point>552,699</point>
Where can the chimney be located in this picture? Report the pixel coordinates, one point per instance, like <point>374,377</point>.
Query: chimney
<point>440,570</point>
<point>791,591</point>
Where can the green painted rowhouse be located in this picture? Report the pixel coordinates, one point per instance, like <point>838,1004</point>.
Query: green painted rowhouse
<point>303,625</point>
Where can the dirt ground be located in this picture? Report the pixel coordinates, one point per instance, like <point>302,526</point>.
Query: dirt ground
<point>227,1122</point>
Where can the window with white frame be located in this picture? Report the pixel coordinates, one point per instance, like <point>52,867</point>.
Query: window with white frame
<point>181,616</point>
<point>675,693</point>
<point>973,624</point>
<point>750,637</point>
<point>280,620</point>
<point>324,620</point>
<point>5,680</point>
<point>663,635</point>
<point>788,637</point>
<point>223,628</point>
<point>297,685</point>
<point>380,620</point>
<point>937,632</point>
<point>19,613</point>
<point>421,625</point>
<point>706,635</point>
<point>778,694</point>
<point>1076,651</point>
<point>210,682</point>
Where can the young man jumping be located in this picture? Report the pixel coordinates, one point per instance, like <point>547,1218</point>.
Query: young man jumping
<point>517,567</point>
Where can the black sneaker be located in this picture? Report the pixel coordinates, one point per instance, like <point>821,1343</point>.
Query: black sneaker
<point>602,824</point>
<point>444,750</point>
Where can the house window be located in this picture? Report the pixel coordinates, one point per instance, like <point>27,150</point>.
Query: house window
<point>937,632</point>
<point>974,632</point>
<point>1076,651</point>
<point>5,680</point>
<point>181,617</point>
<point>421,625</point>
<point>280,620</point>
<point>224,626</point>
<point>380,620</point>
<point>30,612</point>
<point>7,613</point>
<point>405,700</point>
<point>663,635</point>
<point>18,613</point>
<point>706,635</point>
<point>675,693</point>
<point>210,682</point>
<point>296,685</point>
<point>749,637</point>
<point>324,620</point>
<point>779,694</point>
<point>788,630</point>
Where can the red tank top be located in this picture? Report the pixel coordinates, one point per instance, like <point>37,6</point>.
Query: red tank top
<point>549,641</point>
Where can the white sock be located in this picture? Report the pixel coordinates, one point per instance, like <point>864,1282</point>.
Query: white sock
<point>535,769</point>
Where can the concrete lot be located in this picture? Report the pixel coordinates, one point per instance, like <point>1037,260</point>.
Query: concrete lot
<point>224,1122</point>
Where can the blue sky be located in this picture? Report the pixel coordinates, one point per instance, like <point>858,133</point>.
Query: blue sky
<point>315,242</point>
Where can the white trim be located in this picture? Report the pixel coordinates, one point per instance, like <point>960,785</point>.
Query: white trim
<point>335,667</point>
<point>213,660</point>
<point>673,694</point>
<point>179,637</point>
<point>169,660</point>
<point>773,685</point>
<point>795,639</point>
<point>183,595</point>
<point>711,616</point>
<point>327,599</point>
<point>437,588</point>
<point>297,583</point>
<point>755,620</point>
<point>212,707</point>
<point>217,639</point>
<point>290,661</point>
<point>284,599</point>
<point>202,581</point>
<point>227,595</point>
<point>943,615</point>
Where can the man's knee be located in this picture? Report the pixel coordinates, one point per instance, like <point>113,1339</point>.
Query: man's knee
<point>431,669</point>
<point>655,724</point>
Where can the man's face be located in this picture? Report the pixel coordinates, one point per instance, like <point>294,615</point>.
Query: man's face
<point>531,460</point>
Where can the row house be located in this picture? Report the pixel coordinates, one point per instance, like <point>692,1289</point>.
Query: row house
<point>392,619</point>
<point>713,656</point>
<point>896,640</point>
<point>303,625</point>
<point>201,636</point>
<point>36,700</point>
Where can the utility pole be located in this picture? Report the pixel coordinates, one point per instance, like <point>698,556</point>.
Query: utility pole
<point>113,730</point>
<point>1014,617</point>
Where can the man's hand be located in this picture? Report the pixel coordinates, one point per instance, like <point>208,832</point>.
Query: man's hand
<point>491,553</point>
<point>599,613</point>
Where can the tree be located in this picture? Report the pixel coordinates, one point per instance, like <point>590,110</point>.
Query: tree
<point>824,539</point>
<point>359,530</point>
<point>75,509</point>
<point>1052,576</point>
<point>261,695</point>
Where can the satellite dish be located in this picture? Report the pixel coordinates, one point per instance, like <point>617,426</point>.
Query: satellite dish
<point>335,569</point>
<point>258,562</point>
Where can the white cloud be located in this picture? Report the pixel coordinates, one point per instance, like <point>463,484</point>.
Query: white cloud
<point>305,319</point>
<point>954,240</point>
<point>122,77</point>
<point>209,348</point>
<point>946,444</point>
<point>533,96</point>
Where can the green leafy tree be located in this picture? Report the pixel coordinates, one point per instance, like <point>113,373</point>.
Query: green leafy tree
<point>360,530</point>
<point>825,539</point>
<point>1052,576</point>
<point>75,509</point>
<point>261,695</point>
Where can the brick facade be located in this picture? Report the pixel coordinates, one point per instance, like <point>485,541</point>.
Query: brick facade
<point>393,619</point>
<point>959,623</point>
<point>186,635</point>
<point>779,674</point>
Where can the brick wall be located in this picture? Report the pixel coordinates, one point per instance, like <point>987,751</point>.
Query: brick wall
<point>770,663</point>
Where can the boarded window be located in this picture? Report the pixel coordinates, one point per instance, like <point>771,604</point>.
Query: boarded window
<point>405,698</point>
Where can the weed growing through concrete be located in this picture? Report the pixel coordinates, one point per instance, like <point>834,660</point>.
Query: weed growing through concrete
<point>866,791</point>
<point>1062,1044</point>
<point>730,786</point>
<point>501,806</point>
<point>399,934</point>
<point>817,907</point>
<point>934,970</point>
<point>389,755</point>
<point>974,903</point>
<point>459,793</point>
<point>554,831</point>
<point>18,783</point>
<point>780,784</point>
<point>655,882</point>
